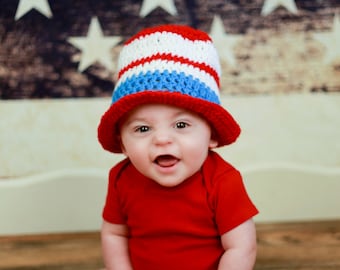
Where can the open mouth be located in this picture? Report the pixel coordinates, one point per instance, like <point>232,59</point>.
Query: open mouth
<point>166,161</point>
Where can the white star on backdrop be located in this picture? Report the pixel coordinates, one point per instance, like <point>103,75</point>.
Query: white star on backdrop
<point>270,5</point>
<point>331,40</point>
<point>95,46</point>
<point>149,5</point>
<point>25,6</point>
<point>224,43</point>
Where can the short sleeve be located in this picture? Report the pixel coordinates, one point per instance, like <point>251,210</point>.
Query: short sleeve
<point>112,209</point>
<point>231,202</point>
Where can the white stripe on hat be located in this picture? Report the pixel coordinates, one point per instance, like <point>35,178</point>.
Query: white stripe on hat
<point>167,42</point>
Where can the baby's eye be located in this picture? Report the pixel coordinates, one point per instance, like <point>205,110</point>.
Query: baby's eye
<point>181,125</point>
<point>142,129</point>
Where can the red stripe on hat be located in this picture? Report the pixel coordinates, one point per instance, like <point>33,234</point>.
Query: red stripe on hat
<point>184,31</point>
<point>173,58</point>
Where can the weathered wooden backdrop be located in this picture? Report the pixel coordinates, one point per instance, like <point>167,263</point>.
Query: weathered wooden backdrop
<point>277,50</point>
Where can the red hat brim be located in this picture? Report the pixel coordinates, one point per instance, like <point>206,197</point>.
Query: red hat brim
<point>225,129</point>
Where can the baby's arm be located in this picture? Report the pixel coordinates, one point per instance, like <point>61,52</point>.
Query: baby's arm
<point>115,246</point>
<point>240,247</point>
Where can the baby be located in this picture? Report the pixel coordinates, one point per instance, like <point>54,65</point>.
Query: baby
<point>173,203</point>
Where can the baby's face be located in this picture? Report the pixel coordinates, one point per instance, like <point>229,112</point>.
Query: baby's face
<point>166,143</point>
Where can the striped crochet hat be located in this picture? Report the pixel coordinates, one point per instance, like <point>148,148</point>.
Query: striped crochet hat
<point>168,64</point>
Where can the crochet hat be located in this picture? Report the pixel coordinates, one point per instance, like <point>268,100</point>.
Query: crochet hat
<point>169,64</point>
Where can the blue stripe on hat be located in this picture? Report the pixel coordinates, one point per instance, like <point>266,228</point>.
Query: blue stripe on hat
<point>165,81</point>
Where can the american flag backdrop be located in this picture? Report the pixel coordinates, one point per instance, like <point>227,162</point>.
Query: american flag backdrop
<point>68,49</point>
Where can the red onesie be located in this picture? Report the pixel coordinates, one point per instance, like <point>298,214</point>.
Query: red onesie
<point>178,227</point>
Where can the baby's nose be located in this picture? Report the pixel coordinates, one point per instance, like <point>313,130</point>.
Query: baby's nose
<point>162,137</point>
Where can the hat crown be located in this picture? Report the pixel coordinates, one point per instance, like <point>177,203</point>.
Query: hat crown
<point>173,58</point>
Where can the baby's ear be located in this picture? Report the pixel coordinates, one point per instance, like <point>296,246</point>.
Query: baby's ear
<point>213,143</point>
<point>119,138</point>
